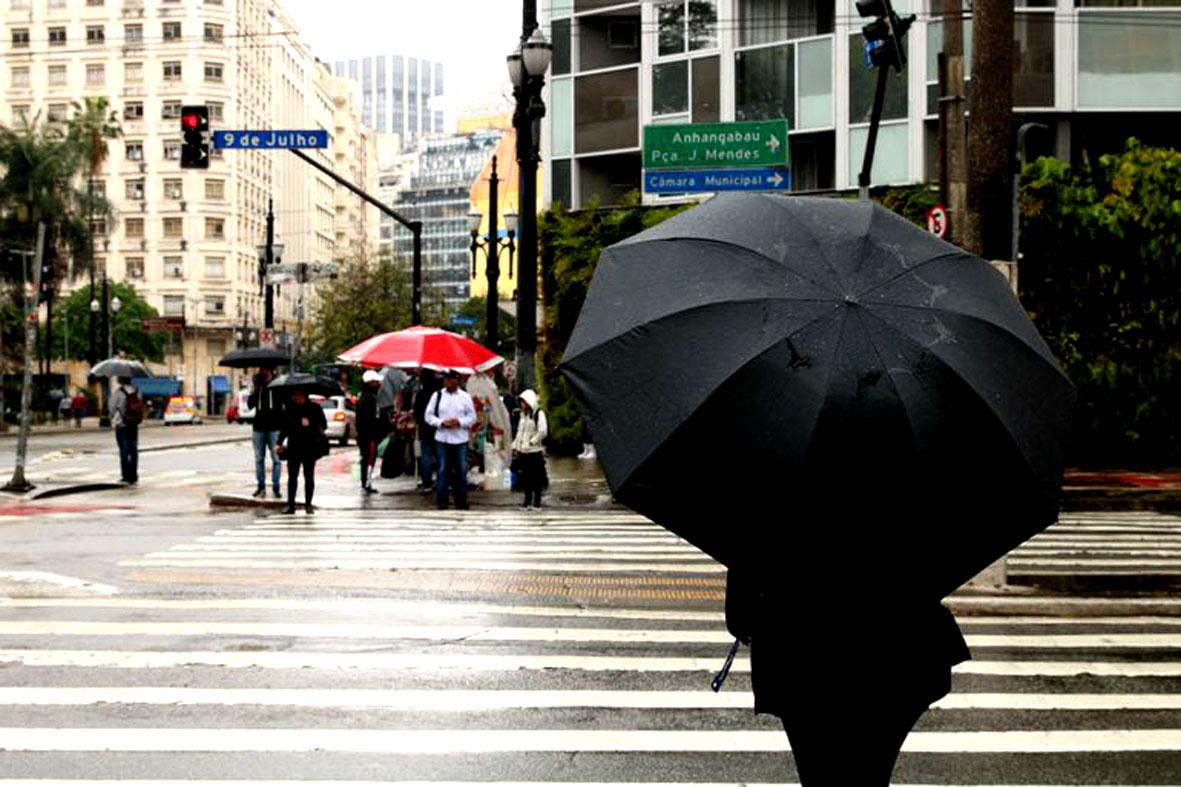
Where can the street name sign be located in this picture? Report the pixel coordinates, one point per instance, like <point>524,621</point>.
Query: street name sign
<point>163,323</point>
<point>269,140</point>
<point>760,143</point>
<point>692,181</point>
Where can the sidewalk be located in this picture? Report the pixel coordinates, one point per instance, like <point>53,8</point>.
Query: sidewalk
<point>89,426</point>
<point>1121,490</point>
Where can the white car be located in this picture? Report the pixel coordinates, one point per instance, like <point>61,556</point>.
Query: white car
<point>340,415</point>
<point>182,410</point>
<point>245,413</point>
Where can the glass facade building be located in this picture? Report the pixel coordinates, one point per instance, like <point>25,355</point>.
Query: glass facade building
<point>397,94</point>
<point>1094,71</point>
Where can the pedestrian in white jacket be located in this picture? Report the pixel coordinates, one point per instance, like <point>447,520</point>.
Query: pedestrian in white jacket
<point>529,449</point>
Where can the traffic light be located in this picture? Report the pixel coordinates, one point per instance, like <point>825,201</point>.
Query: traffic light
<point>885,35</point>
<point>194,130</point>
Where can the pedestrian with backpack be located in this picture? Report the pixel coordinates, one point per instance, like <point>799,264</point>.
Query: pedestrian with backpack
<point>451,412</point>
<point>127,413</point>
<point>529,450</point>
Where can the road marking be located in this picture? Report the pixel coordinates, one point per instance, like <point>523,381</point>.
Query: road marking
<point>310,783</point>
<point>462,701</point>
<point>433,549</point>
<point>327,660</point>
<point>60,580</point>
<point>1115,563</point>
<point>409,563</point>
<point>467,741</point>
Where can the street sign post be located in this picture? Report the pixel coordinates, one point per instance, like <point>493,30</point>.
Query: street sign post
<point>689,181</point>
<point>761,143</point>
<point>269,140</point>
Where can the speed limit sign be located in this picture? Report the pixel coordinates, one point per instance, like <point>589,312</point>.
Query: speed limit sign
<point>937,220</point>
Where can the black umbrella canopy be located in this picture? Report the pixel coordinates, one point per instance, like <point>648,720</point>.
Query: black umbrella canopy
<point>119,367</point>
<point>795,380</point>
<point>255,357</point>
<point>308,383</point>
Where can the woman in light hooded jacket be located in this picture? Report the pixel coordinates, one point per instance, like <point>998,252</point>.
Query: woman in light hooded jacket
<point>529,449</point>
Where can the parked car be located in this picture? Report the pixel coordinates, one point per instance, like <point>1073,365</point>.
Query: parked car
<point>240,411</point>
<point>182,410</point>
<point>341,417</point>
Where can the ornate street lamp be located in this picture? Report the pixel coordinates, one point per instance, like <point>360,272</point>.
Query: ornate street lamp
<point>492,245</point>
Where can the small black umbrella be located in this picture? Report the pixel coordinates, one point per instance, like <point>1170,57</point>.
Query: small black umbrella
<point>818,386</point>
<point>119,367</point>
<point>308,383</point>
<point>255,357</point>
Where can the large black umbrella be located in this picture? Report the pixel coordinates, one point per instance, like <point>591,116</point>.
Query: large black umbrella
<point>255,357</point>
<point>119,367</point>
<point>818,386</point>
<point>308,383</point>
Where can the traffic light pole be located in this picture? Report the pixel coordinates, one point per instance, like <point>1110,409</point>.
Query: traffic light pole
<point>269,258</point>
<point>875,120</point>
<point>415,227</point>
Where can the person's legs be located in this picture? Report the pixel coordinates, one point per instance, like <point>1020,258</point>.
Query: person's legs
<point>441,468</point>
<point>364,448</point>
<point>292,483</point>
<point>820,744</point>
<point>427,462</point>
<point>460,481</point>
<point>259,440</point>
<point>121,442</point>
<point>272,442</point>
<point>309,482</point>
<point>133,453</point>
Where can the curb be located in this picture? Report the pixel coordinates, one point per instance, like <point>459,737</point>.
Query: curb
<point>61,491</point>
<point>194,444</point>
<point>1117,499</point>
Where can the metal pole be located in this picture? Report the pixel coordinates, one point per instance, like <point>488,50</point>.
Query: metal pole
<point>92,357</point>
<point>1021,132</point>
<point>19,483</point>
<point>875,120</point>
<point>269,315</point>
<point>529,108</point>
<point>104,417</point>
<point>492,255</point>
<point>416,275</point>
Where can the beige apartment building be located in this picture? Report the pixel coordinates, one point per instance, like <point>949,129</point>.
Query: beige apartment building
<point>188,240</point>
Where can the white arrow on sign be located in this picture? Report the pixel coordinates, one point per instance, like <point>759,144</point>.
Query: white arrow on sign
<point>775,179</point>
<point>774,144</point>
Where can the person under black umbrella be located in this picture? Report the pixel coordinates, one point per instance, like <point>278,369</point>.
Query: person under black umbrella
<point>302,441</point>
<point>268,409</point>
<point>370,429</point>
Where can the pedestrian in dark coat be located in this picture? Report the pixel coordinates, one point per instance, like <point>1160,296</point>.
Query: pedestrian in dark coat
<point>840,668</point>
<point>369,427</point>
<point>302,442</point>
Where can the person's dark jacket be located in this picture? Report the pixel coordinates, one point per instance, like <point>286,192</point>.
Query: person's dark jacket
<point>426,432</point>
<point>369,427</point>
<point>299,441</point>
<point>267,406</point>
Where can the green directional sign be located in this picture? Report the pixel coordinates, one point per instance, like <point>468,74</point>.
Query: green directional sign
<point>761,143</point>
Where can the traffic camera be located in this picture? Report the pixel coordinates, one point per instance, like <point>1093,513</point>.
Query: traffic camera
<point>194,129</point>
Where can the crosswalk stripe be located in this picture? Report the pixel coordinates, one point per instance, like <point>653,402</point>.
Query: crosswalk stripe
<point>410,562</point>
<point>323,660</point>
<point>468,741</point>
<point>454,700</point>
<point>613,551</point>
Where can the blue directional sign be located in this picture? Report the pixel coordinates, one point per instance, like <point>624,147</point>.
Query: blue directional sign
<point>460,319</point>
<point>690,181</point>
<point>268,140</point>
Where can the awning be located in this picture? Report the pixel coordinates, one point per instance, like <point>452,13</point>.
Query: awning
<point>219,384</point>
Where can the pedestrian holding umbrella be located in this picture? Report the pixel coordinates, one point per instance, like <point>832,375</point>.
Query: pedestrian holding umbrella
<point>880,421</point>
<point>302,433</point>
<point>119,367</point>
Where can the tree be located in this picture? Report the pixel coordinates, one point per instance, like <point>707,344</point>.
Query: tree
<point>128,335</point>
<point>368,297</point>
<point>1101,277</point>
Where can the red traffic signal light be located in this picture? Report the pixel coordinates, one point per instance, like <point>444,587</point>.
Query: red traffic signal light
<point>190,122</point>
<point>194,148</point>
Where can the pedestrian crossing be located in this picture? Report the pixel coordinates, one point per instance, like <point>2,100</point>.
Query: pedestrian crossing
<point>317,688</point>
<point>1110,543</point>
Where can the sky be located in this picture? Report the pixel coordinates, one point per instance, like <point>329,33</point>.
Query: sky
<point>470,37</point>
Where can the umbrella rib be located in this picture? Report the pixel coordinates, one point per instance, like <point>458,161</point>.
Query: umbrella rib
<point>836,276</point>
<point>947,255</point>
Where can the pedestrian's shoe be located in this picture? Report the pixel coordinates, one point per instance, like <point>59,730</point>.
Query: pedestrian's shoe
<point>369,490</point>
<point>289,510</point>
<point>309,508</point>
<point>537,506</point>
<point>277,495</point>
<point>260,492</point>
<point>525,508</point>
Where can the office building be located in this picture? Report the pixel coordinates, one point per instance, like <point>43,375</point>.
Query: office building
<point>397,94</point>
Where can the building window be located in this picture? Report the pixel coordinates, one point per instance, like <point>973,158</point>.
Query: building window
<point>213,72</point>
<point>607,111</point>
<point>174,227</point>
<point>687,23</point>
<point>57,36</point>
<point>670,88</point>
<point>98,226</point>
<point>20,113</point>
<point>861,88</point>
<point>172,72</point>
<point>1145,70</point>
<point>20,76</point>
<point>213,33</point>
<point>705,93</point>
<point>215,267</point>
<point>215,305</point>
<point>217,111</point>
<point>133,73</point>
<point>135,189</point>
<point>172,149</point>
<point>215,229</point>
<point>20,38</point>
<point>135,151</point>
<point>764,83</point>
<point>57,76</point>
<point>170,110</point>
<point>94,3</point>
<point>135,267</point>
<point>57,113</point>
<point>174,306</point>
<point>767,21</point>
<point>215,189</point>
<point>133,35</point>
<point>134,110</point>
<point>57,3</point>
<point>610,39</point>
<point>19,5</point>
<point>172,31</point>
<point>174,267</point>
<point>133,227</point>
<point>95,34</point>
<point>174,188</point>
<point>99,188</point>
<point>561,40</point>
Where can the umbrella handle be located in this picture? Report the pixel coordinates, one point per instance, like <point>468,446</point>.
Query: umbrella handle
<point>720,678</point>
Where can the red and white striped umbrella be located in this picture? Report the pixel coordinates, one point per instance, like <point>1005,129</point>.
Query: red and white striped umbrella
<point>422,347</point>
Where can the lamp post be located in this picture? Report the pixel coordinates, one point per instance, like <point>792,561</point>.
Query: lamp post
<point>492,244</point>
<point>116,305</point>
<point>269,253</point>
<point>526,68</point>
<point>108,318</point>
